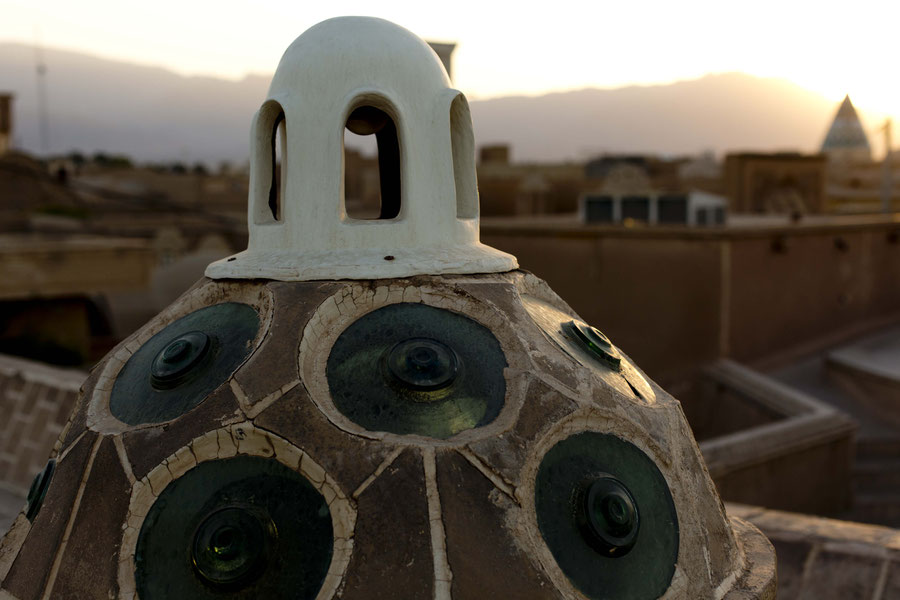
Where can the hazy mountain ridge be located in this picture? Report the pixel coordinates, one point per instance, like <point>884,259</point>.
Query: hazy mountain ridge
<point>730,111</point>
<point>151,113</point>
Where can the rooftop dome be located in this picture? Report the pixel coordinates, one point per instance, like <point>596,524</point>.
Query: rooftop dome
<point>447,436</point>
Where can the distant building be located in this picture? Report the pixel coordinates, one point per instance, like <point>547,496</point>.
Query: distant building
<point>608,188</point>
<point>628,194</point>
<point>775,183</point>
<point>855,182</point>
<point>702,172</point>
<point>494,154</point>
<point>661,173</point>
<point>857,187</point>
<point>362,185</point>
<point>505,188</point>
<point>695,208</point>
<point>5,123</point>
<point>29,196</point>
<point>846,139</point>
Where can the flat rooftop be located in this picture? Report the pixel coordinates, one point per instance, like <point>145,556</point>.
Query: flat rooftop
<point>47,266</point>
<point>737,225</point>
<point>875,353</point>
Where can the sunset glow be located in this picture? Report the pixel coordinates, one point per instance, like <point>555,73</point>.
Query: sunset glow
<point>828,47</point>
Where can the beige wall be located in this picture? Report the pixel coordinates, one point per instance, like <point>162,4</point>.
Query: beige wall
<point>811,288</point>
<point>675,299</point>
<point>657,299</point>
<point>44,267</point>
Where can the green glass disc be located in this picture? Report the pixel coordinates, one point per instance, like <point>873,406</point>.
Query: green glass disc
<point>177,368</point>
<point>241,528</point>
<point>415,369</point>
<point>607,516</point>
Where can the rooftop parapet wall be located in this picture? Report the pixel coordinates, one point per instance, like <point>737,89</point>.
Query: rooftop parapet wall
<point>35,266</point>
<point>777,461</point>
<point>824,558</point>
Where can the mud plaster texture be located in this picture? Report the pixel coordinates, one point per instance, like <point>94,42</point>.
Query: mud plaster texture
<point>426,503</point>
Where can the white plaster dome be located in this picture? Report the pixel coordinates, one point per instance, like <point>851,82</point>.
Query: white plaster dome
<point>345,53</point>
<point>299,227</point>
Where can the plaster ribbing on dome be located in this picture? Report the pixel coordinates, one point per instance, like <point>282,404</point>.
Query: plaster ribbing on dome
<point>372,77</point>
<point>846,137</point>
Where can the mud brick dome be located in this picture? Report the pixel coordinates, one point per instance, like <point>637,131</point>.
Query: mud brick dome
<point>377,408</point>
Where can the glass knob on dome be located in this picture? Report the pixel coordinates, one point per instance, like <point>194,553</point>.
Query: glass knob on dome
<point>597,344</point>
<point>178,359</point>
<point>607,516</point>
<point>423,364</point>
<point>232,546</point>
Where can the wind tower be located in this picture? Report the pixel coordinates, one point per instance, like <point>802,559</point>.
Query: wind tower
<point>6,100</point>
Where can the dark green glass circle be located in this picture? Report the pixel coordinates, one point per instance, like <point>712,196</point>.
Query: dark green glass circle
<point>416,369</point>
<point>607,515</point>
<point>594,342</point>
<point>233,545</point>
<point>609,518</point>
<point>178,359</point>
<point>38,490</point>
<point>241,528</point>
<point>422,364</point>
<point>177,368</point>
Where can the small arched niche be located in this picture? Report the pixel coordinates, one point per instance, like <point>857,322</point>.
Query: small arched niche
<point>372,186</point>
<point>269,161</point>
<point>462,142</point>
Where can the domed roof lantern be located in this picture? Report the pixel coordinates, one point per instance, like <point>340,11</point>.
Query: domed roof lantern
<point>371,76</point>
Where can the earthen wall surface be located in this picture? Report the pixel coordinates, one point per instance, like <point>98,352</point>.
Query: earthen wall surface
<point>676,298</point>
<point>824,558</point>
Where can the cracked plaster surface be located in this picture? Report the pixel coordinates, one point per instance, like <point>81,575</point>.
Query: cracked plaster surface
<point>651,420</point>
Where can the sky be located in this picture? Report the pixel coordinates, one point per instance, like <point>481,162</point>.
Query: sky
<point>504,48</point>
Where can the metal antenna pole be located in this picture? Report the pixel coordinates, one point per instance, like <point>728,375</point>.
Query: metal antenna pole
<point>41,69</point>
